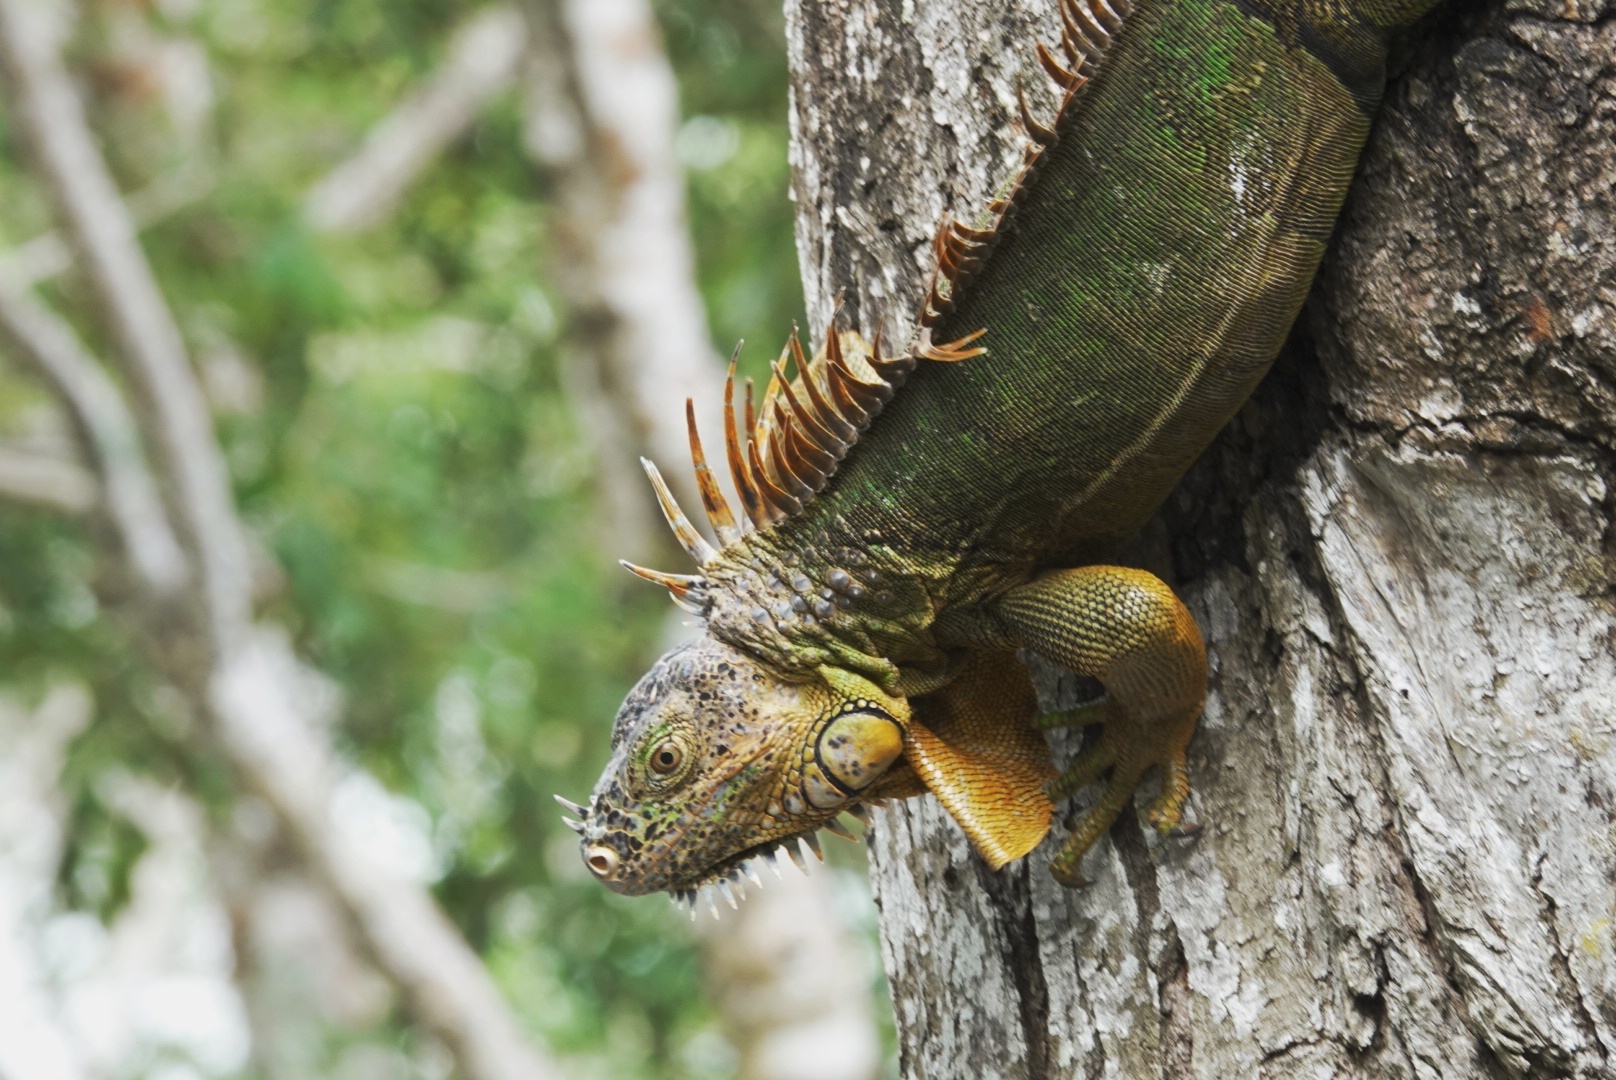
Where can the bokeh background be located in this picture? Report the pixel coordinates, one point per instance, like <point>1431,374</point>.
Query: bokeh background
<point>440,272</point>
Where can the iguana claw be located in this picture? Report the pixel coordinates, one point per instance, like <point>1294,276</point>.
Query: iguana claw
<point>1125,628</point>
<point>1127,749</point>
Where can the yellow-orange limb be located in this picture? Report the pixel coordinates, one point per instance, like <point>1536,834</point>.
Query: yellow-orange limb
<point>1125,628</point>
<point>898,782</point>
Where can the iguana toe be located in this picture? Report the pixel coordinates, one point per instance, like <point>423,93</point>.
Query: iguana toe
<point>1128,748</point>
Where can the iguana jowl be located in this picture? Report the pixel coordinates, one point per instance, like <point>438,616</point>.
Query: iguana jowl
<point>863,612</point>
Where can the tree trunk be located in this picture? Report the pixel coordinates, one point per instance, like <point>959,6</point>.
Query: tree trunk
<point>1399,552</point>
<point>783,972</point>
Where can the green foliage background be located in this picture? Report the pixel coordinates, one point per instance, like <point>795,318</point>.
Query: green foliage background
<point>406,454</point>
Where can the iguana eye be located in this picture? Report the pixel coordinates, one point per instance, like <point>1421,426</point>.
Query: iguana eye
<point>666,758</point>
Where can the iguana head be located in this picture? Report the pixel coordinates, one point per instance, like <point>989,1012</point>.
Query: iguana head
<point>719,757</point>
<point>717,760</point>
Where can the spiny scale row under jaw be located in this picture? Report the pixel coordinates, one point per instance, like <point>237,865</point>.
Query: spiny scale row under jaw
<point>731,884</point>
<point>1087,30</point>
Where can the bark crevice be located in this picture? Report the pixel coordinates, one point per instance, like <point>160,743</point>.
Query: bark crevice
<point>1013,910</point>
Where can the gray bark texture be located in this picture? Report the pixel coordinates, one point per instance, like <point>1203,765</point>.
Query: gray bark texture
<point>1400,552</point>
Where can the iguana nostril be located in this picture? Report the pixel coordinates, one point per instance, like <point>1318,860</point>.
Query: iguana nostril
<point>602,860</point>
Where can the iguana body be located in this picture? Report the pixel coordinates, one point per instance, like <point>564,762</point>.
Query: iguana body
<point>1134,287</point>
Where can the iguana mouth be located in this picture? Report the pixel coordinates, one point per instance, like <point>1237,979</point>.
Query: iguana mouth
<point>728,878</point>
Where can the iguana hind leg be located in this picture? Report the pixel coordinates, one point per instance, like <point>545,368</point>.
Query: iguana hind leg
<point>1125,628</point>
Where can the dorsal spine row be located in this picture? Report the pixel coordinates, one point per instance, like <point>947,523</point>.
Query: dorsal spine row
<point>793,440</point>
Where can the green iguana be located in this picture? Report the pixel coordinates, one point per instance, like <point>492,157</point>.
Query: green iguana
<point>912,519</point>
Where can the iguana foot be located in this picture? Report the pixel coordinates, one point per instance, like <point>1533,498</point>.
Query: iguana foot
<point>1125,628</point>
<point>1127,749</point>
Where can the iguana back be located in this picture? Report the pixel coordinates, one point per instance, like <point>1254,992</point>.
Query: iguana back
<point>1148,275</point>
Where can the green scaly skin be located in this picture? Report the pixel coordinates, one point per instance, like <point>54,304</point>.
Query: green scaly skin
<point>1156,263</point>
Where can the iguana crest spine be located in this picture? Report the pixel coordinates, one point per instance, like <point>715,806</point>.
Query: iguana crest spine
<point>795,438</point>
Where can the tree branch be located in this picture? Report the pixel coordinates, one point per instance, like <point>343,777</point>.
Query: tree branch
<point>48,255</point>
<point>603,115</point>
<point>52,122</point>
<point>482,60</point>
<point>405,933</point>
<point>32,1045</point>
<point>108,432</point>
<point>244,678</point>
<point>49,482</point>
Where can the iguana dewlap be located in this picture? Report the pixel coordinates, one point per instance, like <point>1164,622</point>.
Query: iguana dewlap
<point>908,520</point>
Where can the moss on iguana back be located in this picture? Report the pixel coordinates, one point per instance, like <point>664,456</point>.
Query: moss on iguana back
<point>908,520</point>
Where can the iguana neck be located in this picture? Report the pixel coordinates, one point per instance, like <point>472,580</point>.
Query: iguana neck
<point>816,591</point>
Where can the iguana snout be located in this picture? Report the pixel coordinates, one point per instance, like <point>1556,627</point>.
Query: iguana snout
<point>717,760</point>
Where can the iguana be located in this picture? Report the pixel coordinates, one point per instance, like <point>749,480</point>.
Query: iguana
<point>910,519</point>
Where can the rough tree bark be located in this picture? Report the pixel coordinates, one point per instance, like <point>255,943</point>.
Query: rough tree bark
<point>1400,552</point>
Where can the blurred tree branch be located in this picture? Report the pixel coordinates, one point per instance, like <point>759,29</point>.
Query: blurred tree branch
<point>47,112</point>
<point>242,678</point>
<point>783,971</point>
<point>50,482</point>
<point>32,810</point>
<point>603,113</point>
<point>482,59</point>
<point>108,432</point>
<point>48,255</point>
<point>791,983</point>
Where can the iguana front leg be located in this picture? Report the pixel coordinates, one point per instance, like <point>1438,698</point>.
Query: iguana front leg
<point>1125,628</point>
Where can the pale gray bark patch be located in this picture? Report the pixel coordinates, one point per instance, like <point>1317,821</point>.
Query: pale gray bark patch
<point>1400,553</point>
